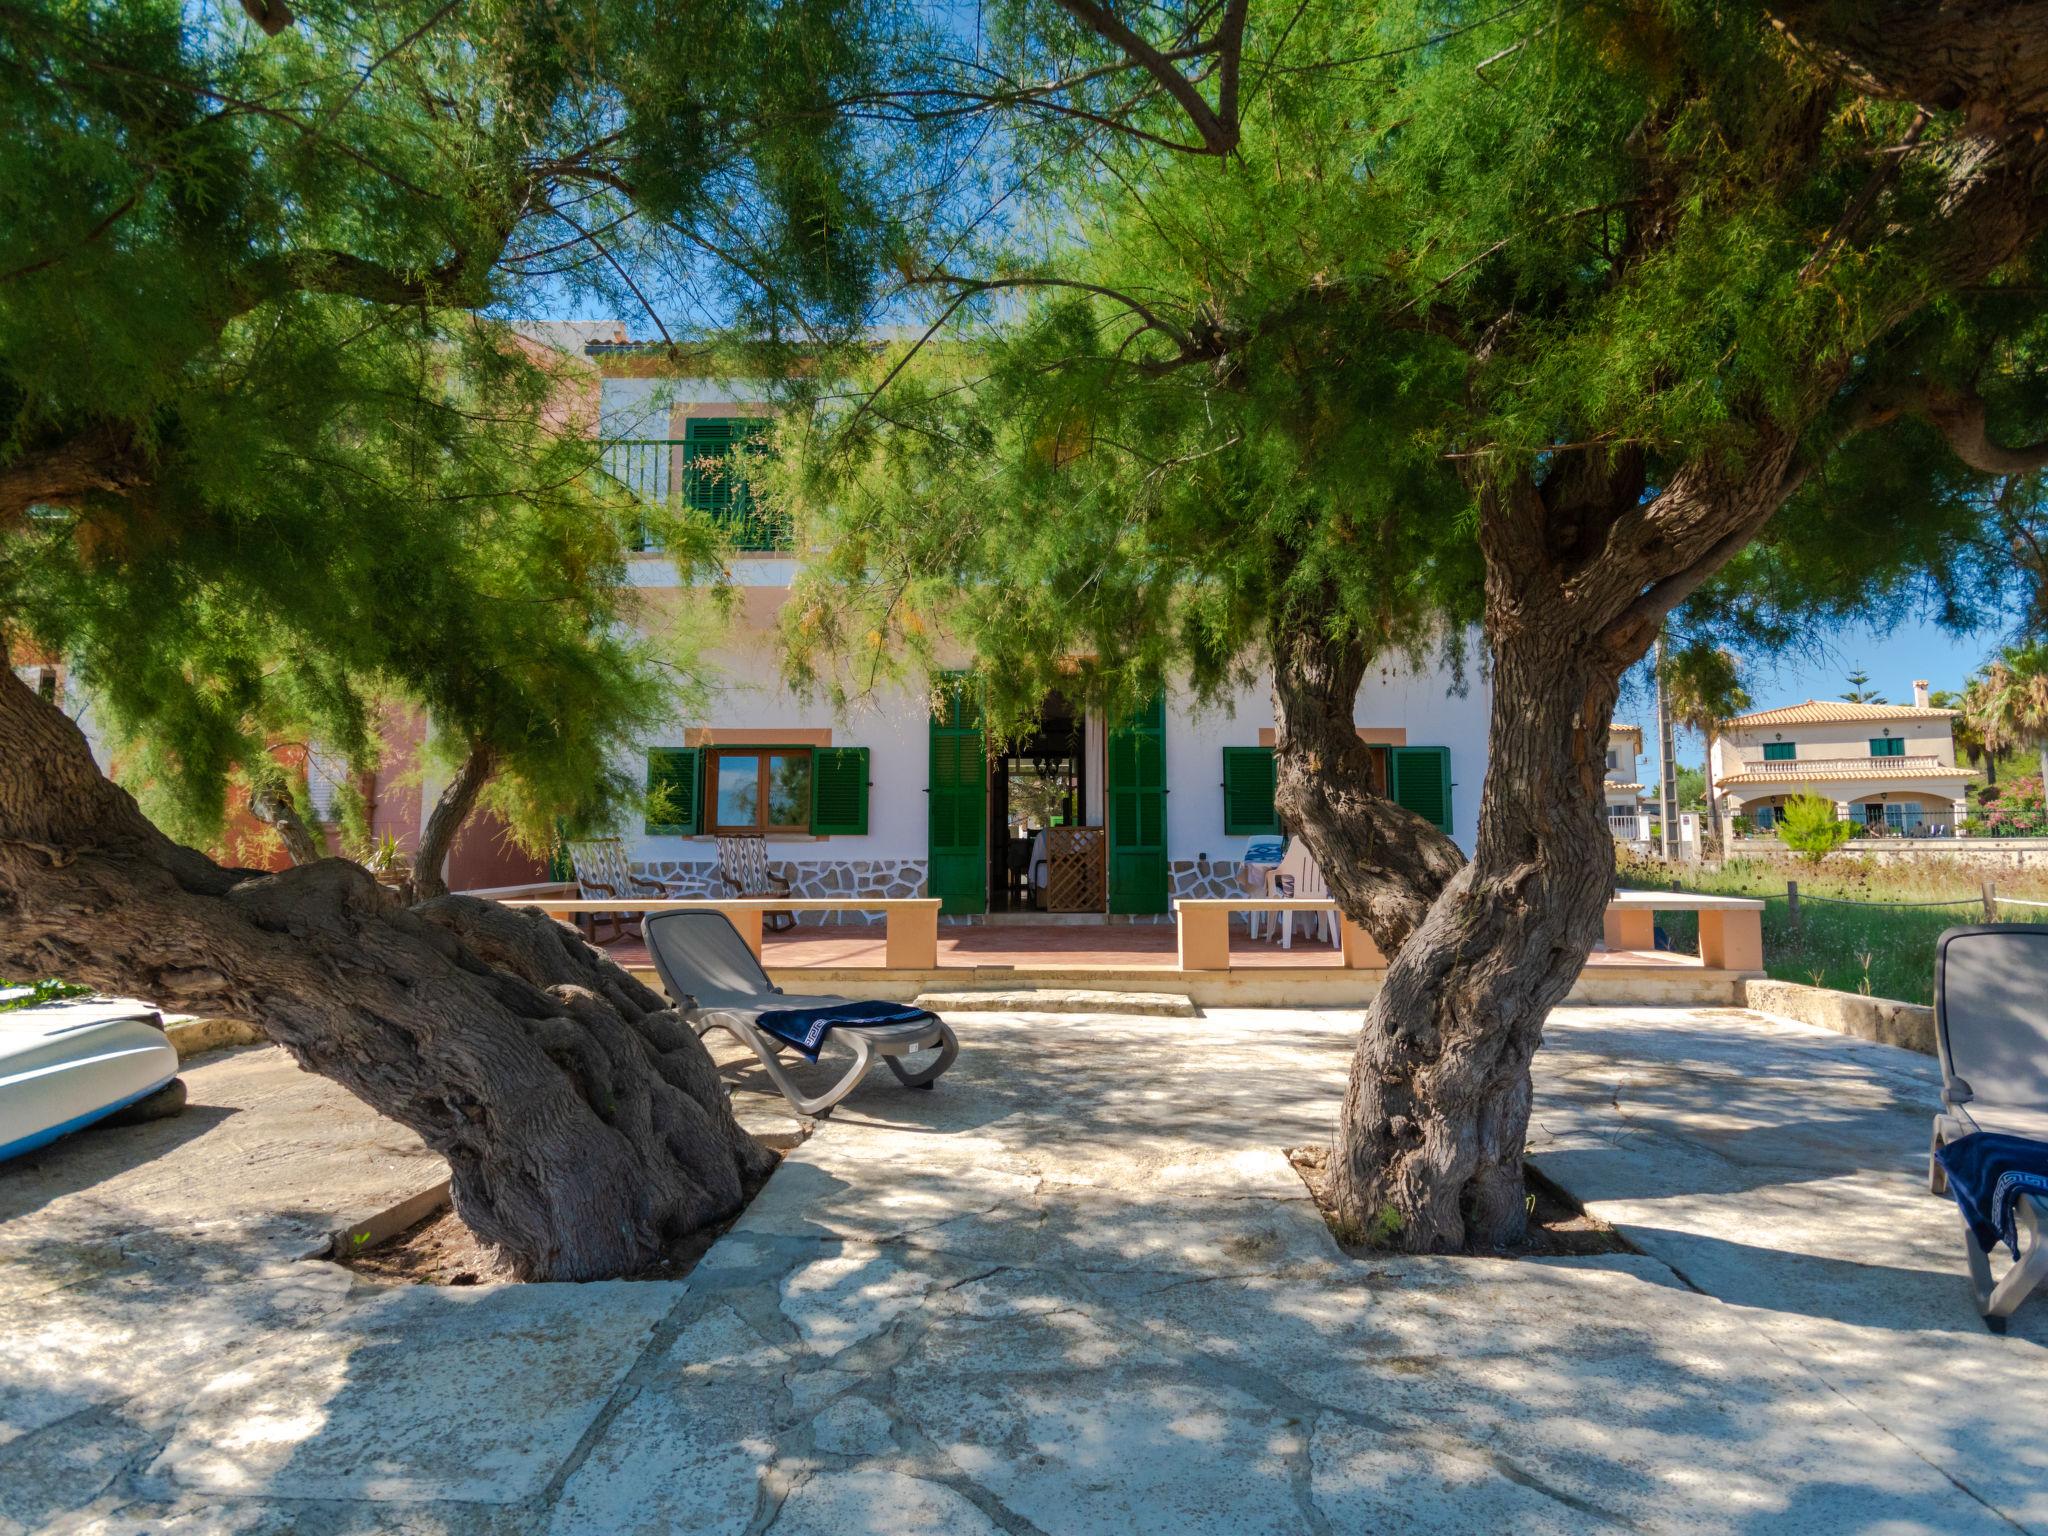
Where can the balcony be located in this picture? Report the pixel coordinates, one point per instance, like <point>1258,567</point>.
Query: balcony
<point>675,473</point>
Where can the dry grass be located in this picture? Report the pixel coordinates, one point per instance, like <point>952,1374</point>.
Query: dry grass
<point>1863,926</point>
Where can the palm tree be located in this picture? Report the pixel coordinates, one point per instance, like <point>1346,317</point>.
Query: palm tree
<point>1969,737</point>
<point>1703,691</point>
<point>2011,701</point>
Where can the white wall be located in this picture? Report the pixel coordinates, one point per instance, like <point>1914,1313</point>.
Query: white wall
<point>751,696</point>
<point>641,407</point>
<point>1422,703</point>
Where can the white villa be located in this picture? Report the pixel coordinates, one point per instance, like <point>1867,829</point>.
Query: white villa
<point>1891,767</point>
<point>1623,788</point>
<point>1089,815</point>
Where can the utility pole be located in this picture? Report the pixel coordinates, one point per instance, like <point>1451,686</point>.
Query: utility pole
<point>1667,771</point>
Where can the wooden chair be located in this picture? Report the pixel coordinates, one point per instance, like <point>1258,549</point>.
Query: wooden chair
<point>604,873</point>
<point>743,869</point>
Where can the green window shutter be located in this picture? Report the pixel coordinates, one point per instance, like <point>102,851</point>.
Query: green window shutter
<point>707,442</point>
<point>1249,778</point>
<point>1422,782</point>
<point>1888,746</point>
<point>1780,751</point>
<point>839,790</point>
<point>675,769</point>
<point>1137,812</point>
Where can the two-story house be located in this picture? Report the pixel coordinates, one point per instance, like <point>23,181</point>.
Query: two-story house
<point>1890,767</point>
<point>904,798</point>
<point>1623,788</point>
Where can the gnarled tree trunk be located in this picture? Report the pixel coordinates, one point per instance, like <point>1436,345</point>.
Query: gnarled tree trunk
<point>450,811</point>
<point>1429,1154</point>
<point>1580,572</point>
<point>1384,864</point>
<point>585,1125</point>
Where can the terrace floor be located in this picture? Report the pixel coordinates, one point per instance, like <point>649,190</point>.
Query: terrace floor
<point>1075,1289</point>
<point>1106,947</point>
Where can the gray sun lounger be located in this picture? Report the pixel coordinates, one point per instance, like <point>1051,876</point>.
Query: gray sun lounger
<point>717,982</point>
<point>1991,1028</point>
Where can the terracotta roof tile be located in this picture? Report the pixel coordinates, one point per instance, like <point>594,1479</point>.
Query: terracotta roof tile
<point>1835,712</point>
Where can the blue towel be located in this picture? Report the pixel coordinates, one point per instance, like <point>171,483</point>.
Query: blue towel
<point>1265,853</point>
<point>806,1028</point>
<point>1987,1174</point>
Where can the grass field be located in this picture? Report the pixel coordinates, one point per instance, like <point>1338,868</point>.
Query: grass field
<point>1862,927</point>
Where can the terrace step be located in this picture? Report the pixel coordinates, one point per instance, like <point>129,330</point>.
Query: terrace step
<point>1058,1000</point>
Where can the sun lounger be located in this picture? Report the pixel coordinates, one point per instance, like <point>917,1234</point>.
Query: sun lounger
<point>718,982</point>
<point>1991,1028</point>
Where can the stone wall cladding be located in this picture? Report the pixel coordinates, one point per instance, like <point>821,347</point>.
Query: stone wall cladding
<point>819,878</point>
<point>1203,879</point>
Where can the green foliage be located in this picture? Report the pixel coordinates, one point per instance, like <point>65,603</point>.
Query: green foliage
<point>265,290</point>
<point>27,994</point>
<point>1809,826</point>
<point>1692,788</point>
<point>1188,393</point>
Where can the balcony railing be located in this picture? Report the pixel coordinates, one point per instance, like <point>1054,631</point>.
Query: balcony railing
<point>1854,760</point>
<point>670,472</point>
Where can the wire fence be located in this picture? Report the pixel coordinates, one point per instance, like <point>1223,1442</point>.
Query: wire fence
<point>1880,948</point>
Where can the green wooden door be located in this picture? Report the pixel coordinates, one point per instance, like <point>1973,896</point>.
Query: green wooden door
<point>959,802</point>
<point>1137,811</point>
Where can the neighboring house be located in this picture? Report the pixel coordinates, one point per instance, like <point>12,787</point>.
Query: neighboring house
<point>1626,814</point>
<point>907,796</point>
<point>1891,767</point>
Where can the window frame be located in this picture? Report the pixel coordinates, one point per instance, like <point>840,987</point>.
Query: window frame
<point>1781,752</point>
<point>1894,746</point>
<point>760,826</point>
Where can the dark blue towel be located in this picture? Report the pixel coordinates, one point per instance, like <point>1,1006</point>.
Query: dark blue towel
<point>806,1028</point>
<point>1987,1174</point>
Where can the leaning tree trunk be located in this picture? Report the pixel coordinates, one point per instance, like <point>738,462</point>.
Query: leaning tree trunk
<point>584,1124</point>
<point>1384,864</point>
<point>1429,1147</point>
<point>450,811</point>
<point>1429,1153</point>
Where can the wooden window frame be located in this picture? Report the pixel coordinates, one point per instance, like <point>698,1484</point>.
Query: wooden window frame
<point>760,826</point>
<point>1773,755</point>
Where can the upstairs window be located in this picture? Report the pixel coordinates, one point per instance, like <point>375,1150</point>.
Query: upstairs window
<point>1613,759</point>
<point>1887,746</point>
<point>1780,751</point>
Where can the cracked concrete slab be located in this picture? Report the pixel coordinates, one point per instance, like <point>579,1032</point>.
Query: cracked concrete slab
<point>1076,1288</point>
<point>469,1394</point>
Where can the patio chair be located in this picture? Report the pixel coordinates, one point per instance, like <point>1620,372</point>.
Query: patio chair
<point>743,868</point>
<point>1991,1032</point>
<point>604,873</point>
<point>1262,856</point>
<point>1298,876</point>
<point>717,982</point>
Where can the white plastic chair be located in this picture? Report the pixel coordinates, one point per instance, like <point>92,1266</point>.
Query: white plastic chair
<point>1298,876</point>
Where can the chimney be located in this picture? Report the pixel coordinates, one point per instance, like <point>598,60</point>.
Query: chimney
<point>1919,693</point>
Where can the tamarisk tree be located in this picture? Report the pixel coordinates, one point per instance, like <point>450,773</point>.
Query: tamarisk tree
<point>267,445</point>
<point>1336,327</point>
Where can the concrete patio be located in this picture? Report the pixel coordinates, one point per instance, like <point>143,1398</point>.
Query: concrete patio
<point>1075,1289</point>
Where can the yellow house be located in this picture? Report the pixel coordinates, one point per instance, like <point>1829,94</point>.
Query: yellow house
<point>1889,767</point>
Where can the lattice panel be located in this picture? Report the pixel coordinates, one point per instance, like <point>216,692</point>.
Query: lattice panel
<point>1074,865</point>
